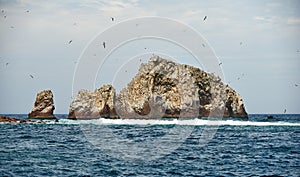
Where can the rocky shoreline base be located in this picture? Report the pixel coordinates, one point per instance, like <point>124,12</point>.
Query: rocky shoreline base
<point>5,119</point>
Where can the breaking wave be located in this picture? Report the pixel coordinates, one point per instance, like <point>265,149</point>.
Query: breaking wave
<point>192,122</point>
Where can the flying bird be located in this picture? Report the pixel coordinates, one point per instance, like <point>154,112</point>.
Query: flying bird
<point>103,44</point>
<point>27,11</point>
<point>112,19</point>
<point>2,11</point>
<point>7,64</point>
<point>296,85</point>
<point>4,16</point>
<point>70,41</point>
<point>31,76</point>
<point>203,45</point>
<point>241,43</point>
<point>220,63</point>
<point>204,18</point>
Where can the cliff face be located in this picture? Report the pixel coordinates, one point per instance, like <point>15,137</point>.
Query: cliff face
<point>43,106</point>
<point>163,88</point>
<point>99,103</point>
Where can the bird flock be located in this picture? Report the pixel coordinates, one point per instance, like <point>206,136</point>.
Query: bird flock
<point>104,44</point>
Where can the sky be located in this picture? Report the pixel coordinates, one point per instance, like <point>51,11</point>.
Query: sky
<point>256,41</point>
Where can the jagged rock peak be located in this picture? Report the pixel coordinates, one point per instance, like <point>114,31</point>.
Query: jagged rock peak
<point>163,88</point>
<point>43,106</point>
<point>99,103</point>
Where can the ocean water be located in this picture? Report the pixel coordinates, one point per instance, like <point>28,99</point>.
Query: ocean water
<point>188,147</point>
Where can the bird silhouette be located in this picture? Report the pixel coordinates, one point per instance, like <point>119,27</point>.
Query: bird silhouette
<point>103,44</point>
<point>284,111</point>
<point>203,45</point>
<point>112,19</point>
<point>296,85</point>
<point>220,63</point>
<point>70,41</point>
<point>2,11</point>
<point>7,64</point>
<point>204,18</point>
<point>31,76</point>
<point>27,11</point>
<point>241,43</point>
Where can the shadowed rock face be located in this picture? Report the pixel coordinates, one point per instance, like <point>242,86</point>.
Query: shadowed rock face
<point>43,106</point>
<point>162,88</point>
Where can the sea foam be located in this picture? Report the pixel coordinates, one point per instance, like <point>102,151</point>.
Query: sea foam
<point>191,122</point>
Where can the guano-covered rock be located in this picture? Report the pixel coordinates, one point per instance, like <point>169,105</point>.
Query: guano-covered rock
<point>162,88</point>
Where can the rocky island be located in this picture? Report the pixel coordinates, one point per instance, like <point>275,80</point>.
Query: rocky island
<point>43,106</point>
<point>162,88</point>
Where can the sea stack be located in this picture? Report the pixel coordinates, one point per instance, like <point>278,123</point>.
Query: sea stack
<point>162,89</point>
<point>43,106</point>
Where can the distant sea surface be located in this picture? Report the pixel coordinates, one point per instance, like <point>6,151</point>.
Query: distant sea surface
<point>104,147</point>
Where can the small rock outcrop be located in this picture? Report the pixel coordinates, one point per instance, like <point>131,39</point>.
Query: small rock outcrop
<point>5,119</point>
<point>99,103</point>
<point>162,88</point>
<point>43,106</point>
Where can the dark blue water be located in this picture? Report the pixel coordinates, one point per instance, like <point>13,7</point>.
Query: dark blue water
<point>257,147</point>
